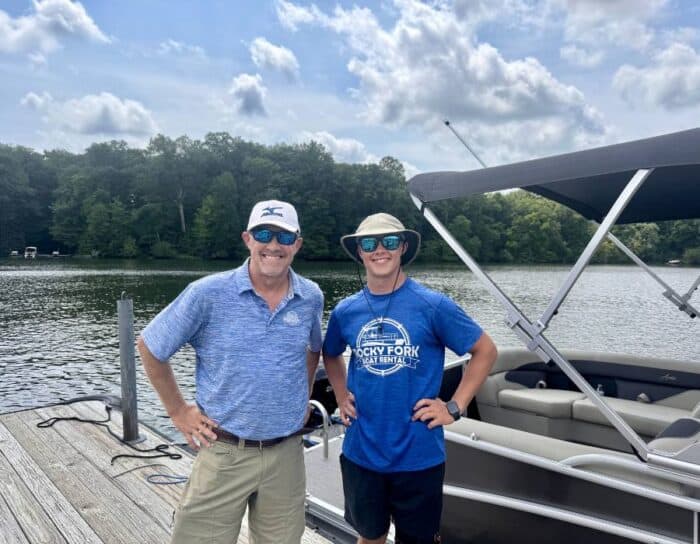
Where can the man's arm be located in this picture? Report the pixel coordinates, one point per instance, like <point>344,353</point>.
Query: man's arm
<point>312,358</point>
<point>188,419</point>
<point>335,369</point>
<point>484,354</point>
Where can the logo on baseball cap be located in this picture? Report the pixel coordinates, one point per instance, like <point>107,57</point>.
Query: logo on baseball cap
<point>274,212</point>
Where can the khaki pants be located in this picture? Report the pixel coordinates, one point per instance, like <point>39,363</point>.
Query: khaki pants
<point>226,478</point>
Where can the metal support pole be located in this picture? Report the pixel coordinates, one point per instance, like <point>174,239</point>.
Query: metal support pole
<point>681,302</point>
<point>130,420</point>
<point>617,208</point>
<point>531,334</point>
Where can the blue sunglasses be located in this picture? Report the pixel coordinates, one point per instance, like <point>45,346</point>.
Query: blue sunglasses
<point>391,242</point>
<point>265,236</point>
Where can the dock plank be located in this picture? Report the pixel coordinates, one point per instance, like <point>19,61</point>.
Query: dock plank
<point>62,513</point>
<point>19,500</point>
<point>10,531</point>
<point>111,514</point>
<point>98,447</point>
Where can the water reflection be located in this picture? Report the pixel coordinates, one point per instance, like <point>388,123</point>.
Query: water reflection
<point>58,319</point>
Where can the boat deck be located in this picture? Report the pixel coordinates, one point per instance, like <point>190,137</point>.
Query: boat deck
<point>57,484</point>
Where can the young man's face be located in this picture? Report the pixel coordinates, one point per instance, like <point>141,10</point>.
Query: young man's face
<point>382,263</point>
<point>270,259</point>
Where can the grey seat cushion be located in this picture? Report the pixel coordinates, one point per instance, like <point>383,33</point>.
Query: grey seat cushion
<point>677,436</point>
<point>645,418</point>
<point>544,402</point>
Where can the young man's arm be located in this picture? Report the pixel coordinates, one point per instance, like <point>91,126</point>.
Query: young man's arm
<point>188,419</point>
<point>484,354</point>
<point>335,369</point>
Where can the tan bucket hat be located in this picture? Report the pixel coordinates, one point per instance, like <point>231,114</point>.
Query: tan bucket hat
<point>380,224</point>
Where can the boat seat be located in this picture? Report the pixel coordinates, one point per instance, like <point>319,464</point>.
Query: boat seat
<point>678,435</point>
<point>555,403</point>
<point>558,450</point>
<point>645,418</point>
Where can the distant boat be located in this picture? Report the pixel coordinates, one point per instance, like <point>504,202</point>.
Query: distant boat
<point>674,262</point>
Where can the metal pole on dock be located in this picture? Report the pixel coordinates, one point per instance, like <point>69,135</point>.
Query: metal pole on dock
<point>127,358</point>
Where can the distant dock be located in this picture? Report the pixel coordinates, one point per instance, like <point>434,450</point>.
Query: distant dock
<point>57,484</point>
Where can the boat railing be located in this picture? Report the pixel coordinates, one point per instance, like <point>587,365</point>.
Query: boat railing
<point>571,467</point>
<point>325,425</point>
<point>602,459</point>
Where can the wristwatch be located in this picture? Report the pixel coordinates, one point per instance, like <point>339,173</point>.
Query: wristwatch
<point>453,409</point>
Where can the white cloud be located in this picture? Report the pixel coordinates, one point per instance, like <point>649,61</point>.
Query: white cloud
<point>672,80</point>
<point>594,27</point>
<point>683,34</point>
<point>94,114</point>
<point>430,66</point>
<point>43,30</point>
<point>581,57</point>
<point>410,170</point>
<point>342,149</point>
<point>249,93</point>
<point>37,59</point>
<point>291,15</point>
<point>173,47</point>
<point>273,57</point>
<point>613,22</point>
<point>37,102</point>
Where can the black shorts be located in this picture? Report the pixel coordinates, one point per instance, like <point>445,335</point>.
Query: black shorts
<point>412,499</point>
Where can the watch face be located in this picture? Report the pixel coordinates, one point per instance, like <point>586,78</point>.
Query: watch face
<point>453,409</point>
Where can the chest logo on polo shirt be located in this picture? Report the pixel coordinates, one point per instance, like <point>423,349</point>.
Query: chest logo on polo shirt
<point>384,347</point>
<point>291,318</point>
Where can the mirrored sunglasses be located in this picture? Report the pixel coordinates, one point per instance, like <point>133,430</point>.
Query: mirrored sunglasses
<point>265,236</point>
<point>391,242</point>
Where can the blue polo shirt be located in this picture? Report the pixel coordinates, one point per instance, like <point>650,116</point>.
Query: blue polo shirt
<point>251,374</point>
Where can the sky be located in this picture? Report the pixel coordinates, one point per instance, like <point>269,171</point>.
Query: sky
<point>518,79</point>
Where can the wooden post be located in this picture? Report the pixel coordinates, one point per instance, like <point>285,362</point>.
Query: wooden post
<point>130,419</point>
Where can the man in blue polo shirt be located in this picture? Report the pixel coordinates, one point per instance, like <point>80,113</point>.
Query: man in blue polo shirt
<point>393,461</point>
<point>256,332</point>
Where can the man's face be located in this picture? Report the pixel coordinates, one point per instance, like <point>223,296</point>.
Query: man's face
<point>272,259</point>
<point>382,262</point>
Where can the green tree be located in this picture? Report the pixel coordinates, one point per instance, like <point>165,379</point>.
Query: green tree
<point>15,201</point>
<point>217,224</point>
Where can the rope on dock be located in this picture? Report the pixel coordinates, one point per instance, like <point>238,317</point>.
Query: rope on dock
<point>161,450</point>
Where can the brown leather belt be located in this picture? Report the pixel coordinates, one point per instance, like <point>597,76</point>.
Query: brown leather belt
<point>226,436</point>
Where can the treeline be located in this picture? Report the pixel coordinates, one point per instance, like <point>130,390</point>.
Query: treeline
<point>185,197</point>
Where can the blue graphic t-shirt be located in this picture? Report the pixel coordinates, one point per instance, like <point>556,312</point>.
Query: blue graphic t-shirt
<point>397,359</point>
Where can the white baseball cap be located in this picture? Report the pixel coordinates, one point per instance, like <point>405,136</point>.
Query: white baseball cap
<point>274,212</point>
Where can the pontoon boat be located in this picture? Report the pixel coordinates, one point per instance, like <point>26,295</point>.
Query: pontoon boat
<point>566,446</point>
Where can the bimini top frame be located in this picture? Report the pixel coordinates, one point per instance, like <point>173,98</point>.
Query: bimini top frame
<point>648,180</point>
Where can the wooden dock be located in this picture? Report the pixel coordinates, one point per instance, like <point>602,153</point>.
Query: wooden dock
<point>57,484</point>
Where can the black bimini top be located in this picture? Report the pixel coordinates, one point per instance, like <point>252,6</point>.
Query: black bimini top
<point>590,181</point>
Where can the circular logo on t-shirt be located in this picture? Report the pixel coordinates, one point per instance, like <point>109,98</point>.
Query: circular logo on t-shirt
<point>384,347</point>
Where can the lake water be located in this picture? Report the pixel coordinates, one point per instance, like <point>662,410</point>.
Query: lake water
<point>59,330</point>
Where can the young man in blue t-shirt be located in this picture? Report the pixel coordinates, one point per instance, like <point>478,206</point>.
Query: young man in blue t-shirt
<point>393,460</point>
